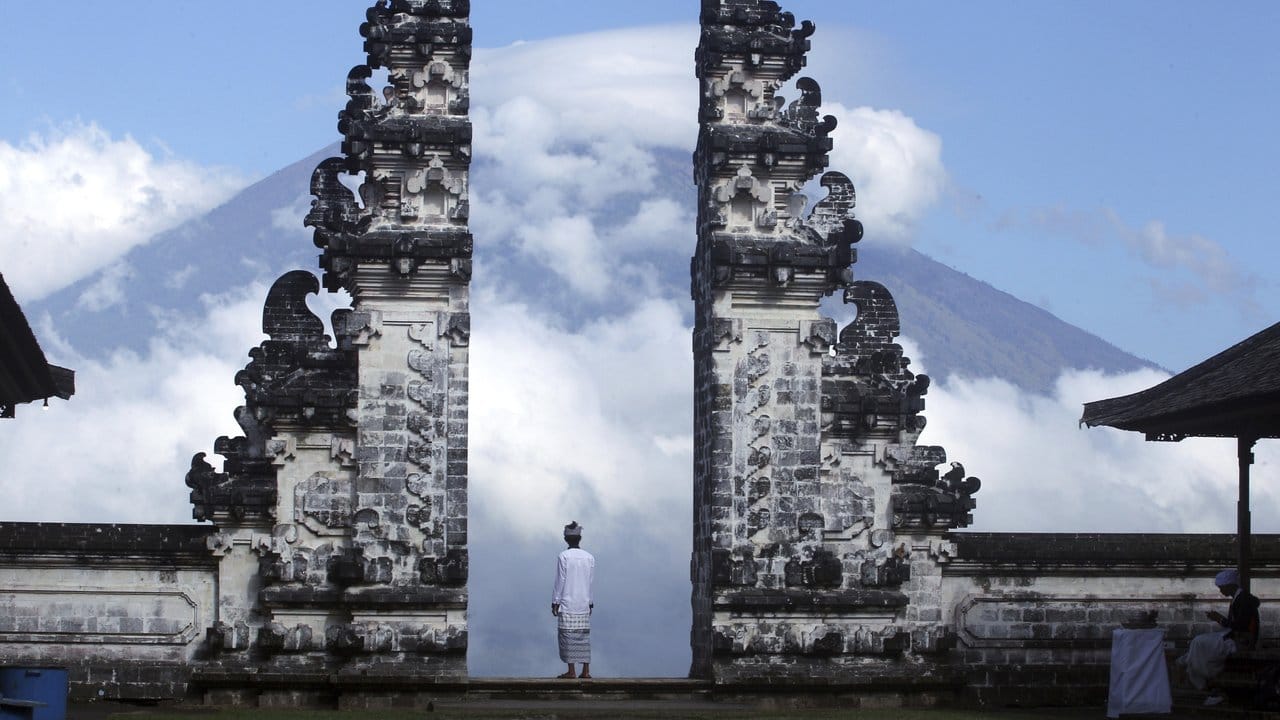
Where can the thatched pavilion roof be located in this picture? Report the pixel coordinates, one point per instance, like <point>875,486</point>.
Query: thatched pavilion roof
<point>1235,393</point>
<point>25,375</point>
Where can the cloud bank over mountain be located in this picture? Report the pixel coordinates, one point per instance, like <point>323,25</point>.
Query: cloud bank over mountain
<point>74,199</point>
<point>581,378</point>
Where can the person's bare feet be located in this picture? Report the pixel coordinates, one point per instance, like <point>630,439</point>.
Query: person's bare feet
<point>585,676</point>
<point>567,676</point>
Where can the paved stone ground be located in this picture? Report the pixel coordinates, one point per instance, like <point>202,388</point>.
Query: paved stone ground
<point>567,709</point>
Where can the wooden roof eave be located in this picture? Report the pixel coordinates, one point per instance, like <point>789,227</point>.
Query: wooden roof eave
<point>25,374</point>
<point>1257,417</point>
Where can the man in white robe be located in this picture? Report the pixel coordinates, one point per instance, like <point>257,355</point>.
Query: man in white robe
<point>571,602</point>
<point>1208,653</point>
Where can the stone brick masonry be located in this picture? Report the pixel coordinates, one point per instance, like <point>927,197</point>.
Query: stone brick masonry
<point>813,505</point>
<point>341,515</point>
<point>122,607</point>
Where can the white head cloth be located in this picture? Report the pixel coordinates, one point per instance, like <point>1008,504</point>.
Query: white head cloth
<point>1230,576</point>
<point>573,530</point>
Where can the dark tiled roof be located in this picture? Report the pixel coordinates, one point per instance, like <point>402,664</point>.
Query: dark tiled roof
<point>25,375</point>
<point>1235,393</point>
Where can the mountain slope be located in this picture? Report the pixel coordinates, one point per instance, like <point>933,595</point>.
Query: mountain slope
<point>234,244</point>
<point>967,327</point>
<point>963,326</point>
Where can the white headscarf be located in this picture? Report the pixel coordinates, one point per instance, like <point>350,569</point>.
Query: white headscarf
<point>1230,576</point>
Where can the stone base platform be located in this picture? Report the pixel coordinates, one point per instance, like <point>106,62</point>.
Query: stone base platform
<point>320,690</point>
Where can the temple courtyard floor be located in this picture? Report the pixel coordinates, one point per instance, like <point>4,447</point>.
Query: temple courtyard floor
<point>572,709</point>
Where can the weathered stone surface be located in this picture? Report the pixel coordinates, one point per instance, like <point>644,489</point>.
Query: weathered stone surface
<point>807,473</point>
<point>1037,610</point>
<point>342,512</point>
<point>123,607</point>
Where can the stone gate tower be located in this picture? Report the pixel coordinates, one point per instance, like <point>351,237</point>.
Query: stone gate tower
<point>341,513</point>
<point>818,521</point>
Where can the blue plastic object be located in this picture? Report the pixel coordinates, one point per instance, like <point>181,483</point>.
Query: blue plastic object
<point>43,685</point>
<point>11,709</point>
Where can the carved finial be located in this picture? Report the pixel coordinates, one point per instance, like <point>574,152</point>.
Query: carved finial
<point>200,469</point>
<point>285,315</point>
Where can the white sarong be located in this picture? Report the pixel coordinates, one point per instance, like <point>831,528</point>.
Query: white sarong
<point>1207,656</point>
<point>574,631</point>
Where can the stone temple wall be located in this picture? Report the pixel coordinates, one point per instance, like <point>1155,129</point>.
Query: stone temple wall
<point>1034,613</point>
<point>812,501</point>
<point>341,514</point>
<point>825,551</point>
<point>123,607</point>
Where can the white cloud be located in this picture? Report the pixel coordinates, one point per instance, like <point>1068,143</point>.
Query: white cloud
<point>631,85</point>
<point>570,247</point>
<point>108,289</point>
<point>117,451</point>
<point>1205,259</point>
<point>895,165</point>
<point>565,421</point>
<point>289,218</point>
<point>659,223</point>
<point>1190,268</point>
<point>576,134</point>
<point>576,154</point>
<point>75,199</point>
<point>1040,471</point>
<point>178,279</point>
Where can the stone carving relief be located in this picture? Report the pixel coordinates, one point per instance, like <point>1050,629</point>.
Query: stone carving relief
<point>828,493</point>
<point>743,202</point>
<point>802,113</point>
<point>736,96</point>
<point>361,443</point>
<point>227,637</point>
<point>324,504</point>
<point>440,88</point>
<point>843,502</point>
<point>357,329</point>
<point>456,327</point>
<point>219,544</point>
<point>434,194</point>
<point>275,638</point>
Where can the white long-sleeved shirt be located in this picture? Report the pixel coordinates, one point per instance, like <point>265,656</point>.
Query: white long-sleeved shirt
<point>575,571</point>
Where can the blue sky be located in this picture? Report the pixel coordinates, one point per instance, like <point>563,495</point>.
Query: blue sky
<point>1068,129</point>
<point>1113,163</point>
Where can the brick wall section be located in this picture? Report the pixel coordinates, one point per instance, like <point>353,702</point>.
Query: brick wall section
<point>1035,612</point>
<point>457,413</point>
<point>122,607</point>
<point>410,268</point>
<point>711,433</point>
